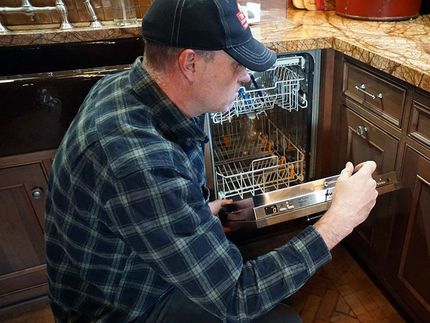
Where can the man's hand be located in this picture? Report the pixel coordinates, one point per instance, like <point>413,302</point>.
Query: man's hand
<point>216,205</point>
<point>354,197</point>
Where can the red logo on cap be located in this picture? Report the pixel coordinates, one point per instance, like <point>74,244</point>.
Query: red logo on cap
<point>242,18</point>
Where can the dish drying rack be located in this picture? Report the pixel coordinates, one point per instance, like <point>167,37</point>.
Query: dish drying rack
<point>276,87</point>
<point>255,161</point>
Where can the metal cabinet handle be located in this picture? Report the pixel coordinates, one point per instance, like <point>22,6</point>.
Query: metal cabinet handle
<point>37,193</point>
<point>361,131</point>
<point>362,88</point>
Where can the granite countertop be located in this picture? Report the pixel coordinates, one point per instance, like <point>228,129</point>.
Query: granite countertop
<point>401,48</point>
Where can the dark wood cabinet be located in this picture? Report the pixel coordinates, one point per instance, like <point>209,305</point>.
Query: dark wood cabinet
<point>383,119</point>
<point>409,258</point>
<point>38,100</point>
<point>361,137</point>
<point>23,185</point>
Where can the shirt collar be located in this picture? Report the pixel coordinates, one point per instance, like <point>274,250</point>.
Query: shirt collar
<point>171,120</point>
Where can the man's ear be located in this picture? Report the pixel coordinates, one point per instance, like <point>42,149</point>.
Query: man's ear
<point>187,63</point>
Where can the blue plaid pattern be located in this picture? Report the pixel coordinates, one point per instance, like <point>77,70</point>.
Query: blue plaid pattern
<point>126,219</point>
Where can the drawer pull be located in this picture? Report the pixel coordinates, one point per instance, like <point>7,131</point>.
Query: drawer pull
<point>362,88</point>
<point>37,193</point>
<point>361,131</point>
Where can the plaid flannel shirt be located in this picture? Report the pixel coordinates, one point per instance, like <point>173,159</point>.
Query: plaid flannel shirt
<point>127,221</point>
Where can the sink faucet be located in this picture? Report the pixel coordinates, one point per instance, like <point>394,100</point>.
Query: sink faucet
<point>94,22</point>
<point>28,9</point>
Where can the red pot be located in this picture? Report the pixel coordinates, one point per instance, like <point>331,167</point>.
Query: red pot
<point>378,9</point>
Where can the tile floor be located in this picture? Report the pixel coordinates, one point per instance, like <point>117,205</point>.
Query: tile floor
<point>342,292</point>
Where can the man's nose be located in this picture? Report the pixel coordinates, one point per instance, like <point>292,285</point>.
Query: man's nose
<point>244,76</point>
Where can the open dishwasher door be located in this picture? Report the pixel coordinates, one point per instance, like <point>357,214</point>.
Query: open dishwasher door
<point>308,200</point>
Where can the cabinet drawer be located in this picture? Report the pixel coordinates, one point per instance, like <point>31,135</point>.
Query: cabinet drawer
<point>419,122</point>
<point>380,96</point>
<point>366,141</point>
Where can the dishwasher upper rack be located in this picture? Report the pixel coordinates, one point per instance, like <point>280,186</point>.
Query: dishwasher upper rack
<point>254,161</point>
<point>276,87</point>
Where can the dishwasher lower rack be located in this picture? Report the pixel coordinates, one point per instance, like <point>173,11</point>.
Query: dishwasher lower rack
<point>258,160</point>
<point>276,87</point>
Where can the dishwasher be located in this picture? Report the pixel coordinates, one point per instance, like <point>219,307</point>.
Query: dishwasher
<point>266,142</point>
<point>261,152</point>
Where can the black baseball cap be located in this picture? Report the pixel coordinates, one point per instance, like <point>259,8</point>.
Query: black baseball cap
<point>206,25</point>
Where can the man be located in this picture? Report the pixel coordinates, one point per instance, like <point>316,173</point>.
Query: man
<point>130,234</point>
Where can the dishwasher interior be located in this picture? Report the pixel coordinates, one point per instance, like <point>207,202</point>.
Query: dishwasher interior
<point>266,141</point>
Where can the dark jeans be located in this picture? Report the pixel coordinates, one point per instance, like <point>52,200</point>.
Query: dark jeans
<point>176,308</point>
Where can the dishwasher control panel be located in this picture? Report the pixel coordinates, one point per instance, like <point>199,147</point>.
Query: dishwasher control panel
<point>306,199</point>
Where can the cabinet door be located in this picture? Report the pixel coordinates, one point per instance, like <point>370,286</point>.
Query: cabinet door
<point>22,254</point>
<point>411,273</point>
<point>365,141</point>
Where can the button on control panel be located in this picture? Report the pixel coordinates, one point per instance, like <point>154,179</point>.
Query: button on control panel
<point>294,203</point>
<point>278,208</point>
